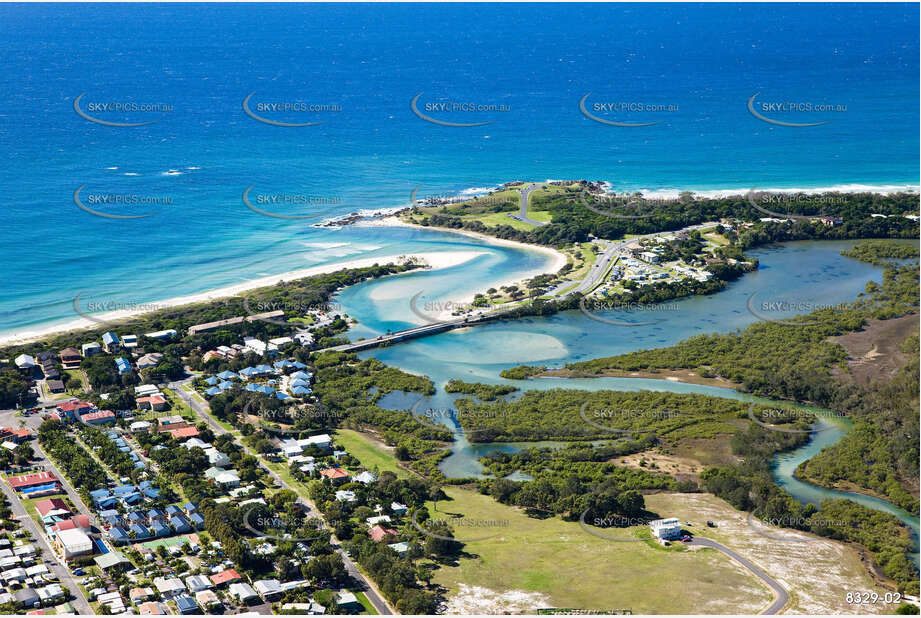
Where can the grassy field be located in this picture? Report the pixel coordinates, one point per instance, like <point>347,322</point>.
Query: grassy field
<point>533,563</point>
<point>818,573</point>
<point>369,609</point>
<point>369,454</point>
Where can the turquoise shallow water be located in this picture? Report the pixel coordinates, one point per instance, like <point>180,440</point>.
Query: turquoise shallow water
<point>799,272</point>
<point>703,60</point>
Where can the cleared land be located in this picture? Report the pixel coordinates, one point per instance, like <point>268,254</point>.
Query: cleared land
<point>874,353</point>
<point>370,453</point>
<point>553,563</point>
<point>818,573</point>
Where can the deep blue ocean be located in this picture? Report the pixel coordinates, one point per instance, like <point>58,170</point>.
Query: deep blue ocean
<point>691,69</point>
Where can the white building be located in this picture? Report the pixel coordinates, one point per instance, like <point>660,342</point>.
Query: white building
<point>666,528</point>
<point>73,542</point>
<point>268,589</point>
<point>243,592</point>
<point>197,583</point>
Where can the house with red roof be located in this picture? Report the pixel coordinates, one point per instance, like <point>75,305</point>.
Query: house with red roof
<point>102,417</point>
<point>14,435</point>
<point>71,409</point>
<point>336,475</point>
<point>78,522</point>
<point>52,508</point>
<point>228,576</point>
<point>152,402</point>
<point>183,432</point>
<point>379,532</point>
<point>36,479</point>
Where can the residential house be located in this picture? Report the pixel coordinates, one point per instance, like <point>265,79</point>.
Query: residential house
<point>70,358</point>
<point>102,417</point>
<point>244,593</point>
<point>110,342</point>
<point>666,529</point>
<point>149,360</point>
<point>186,605</point>
<point>268,589</point>
<point>227,576</point>
<point>169,586</point>
<point>197,583</point>
<point>336,475</point>
<point>379,533</point>
<point>91,349</point>
<point>162,334</point>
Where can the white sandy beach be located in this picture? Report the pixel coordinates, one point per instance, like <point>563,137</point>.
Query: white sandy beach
<point>435,260</point>
<point>558,260</point>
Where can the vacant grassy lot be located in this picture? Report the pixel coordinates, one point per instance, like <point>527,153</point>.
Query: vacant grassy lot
<point>370,455</point>
<point>818,573</point>
<point>552,563</point>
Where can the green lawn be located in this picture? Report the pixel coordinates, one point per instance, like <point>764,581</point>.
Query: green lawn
<point>369,609</point>
<point>576,569</point>
<point>370,455</point>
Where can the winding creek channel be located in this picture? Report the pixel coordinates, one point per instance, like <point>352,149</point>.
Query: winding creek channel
<point>804,272</point>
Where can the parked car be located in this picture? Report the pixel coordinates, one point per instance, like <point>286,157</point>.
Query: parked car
<point>79,572</point>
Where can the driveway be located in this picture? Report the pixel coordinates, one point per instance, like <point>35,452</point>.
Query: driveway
<point>781,596</point>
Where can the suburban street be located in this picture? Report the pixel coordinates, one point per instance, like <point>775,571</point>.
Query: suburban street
<point>19,512</point>
<point>370,590</point>
<point>781,596</point>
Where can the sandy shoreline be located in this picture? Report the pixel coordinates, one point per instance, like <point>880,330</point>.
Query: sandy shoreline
<point>559,259</point>
<point>436,260</point>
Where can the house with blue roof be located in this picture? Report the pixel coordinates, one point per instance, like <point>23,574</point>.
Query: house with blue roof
<point>197,521</point>
<point>111,517</point>
<point>300,391</point>
<point>124,490</point>
<point>172,510</point>
<point>119,442</point>
<point>213,391</point>
<point>211,381</point>
<point>282,364</point>
<point>299,382</point>
<point>186,604</point>
<point>140,532</point>
<point>151,492</point>
<point>282,396</point>
<point>135,517</point>
<point>99,493</point>
<point>299,365</point>
<point>180,524</point>
<point>226,385</point>
<point>122,365</point>
<point>140,465</point>
<point>189,508</point>
<point>248,373</point>
<point>301,375</point>
<point>124,449</point>
<point>119,536</point>
<point>160,529</point>
<point>110,342</point>
<point>156,515</point>
<point>228,375</point>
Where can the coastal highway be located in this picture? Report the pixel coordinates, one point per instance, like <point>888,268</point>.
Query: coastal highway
<point>370,590</point>
<point>781,596</point>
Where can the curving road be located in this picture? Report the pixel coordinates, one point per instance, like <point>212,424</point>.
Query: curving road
<point>523,210</point>
<point>370,590</point>
<point>781,596</point>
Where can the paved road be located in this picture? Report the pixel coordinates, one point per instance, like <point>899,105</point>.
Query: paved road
<point>781,596</point>
<point>523,210</point>
<point>57,566</point>
<point>370,590</point>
